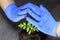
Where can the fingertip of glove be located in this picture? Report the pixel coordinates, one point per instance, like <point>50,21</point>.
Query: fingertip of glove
<point>41,5</point>
<point>29,3</point>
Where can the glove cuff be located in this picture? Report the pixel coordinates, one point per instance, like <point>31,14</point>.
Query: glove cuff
<point>10,7</point>
<point>9,11</point>
<point>54,31</point>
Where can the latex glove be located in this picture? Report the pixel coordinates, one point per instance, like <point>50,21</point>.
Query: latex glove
<point>15,13</point>
<point>45,22</point>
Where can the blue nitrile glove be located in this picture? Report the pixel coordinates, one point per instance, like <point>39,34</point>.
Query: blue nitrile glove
<point>15,13</point>
<point>45,22</point>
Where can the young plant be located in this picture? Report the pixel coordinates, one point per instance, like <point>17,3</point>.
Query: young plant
<point>29,28</point>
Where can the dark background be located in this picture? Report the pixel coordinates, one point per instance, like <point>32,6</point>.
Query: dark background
<point>7,31</point>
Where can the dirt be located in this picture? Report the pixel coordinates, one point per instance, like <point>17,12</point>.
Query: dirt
<point>34,36</point>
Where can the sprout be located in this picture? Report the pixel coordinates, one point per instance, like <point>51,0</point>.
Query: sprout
<point>28,27</point>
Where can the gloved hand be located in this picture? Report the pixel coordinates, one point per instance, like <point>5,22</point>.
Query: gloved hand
<point>15,13</point>
<point>45,22</point>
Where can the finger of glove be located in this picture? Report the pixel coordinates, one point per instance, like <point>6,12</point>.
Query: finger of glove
<point>44,9</point>
<point>23,12</point>
<point>36,9</point>
<point>18,18</point>
<point>31,21</point>
<point>22,7</point>
<point>47,14</point>
<point>25,6</point>
<point>36,17</point>
<point>33,7</point>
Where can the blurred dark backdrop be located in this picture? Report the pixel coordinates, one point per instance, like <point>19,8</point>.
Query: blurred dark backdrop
<point>52,5</point>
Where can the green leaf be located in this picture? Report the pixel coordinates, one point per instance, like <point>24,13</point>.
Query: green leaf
<point>34,29</point>
<point>27,29</point>
<point>24,23</point>
<point>37,30</point>
<point>24,27</point>
<point>29,32</point>
<point>28,24</point>
<point>21,25</point>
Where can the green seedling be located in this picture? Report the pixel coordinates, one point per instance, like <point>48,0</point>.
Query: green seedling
<point>29,28</point>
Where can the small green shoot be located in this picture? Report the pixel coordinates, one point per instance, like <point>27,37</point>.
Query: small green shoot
<point>28,27</point>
